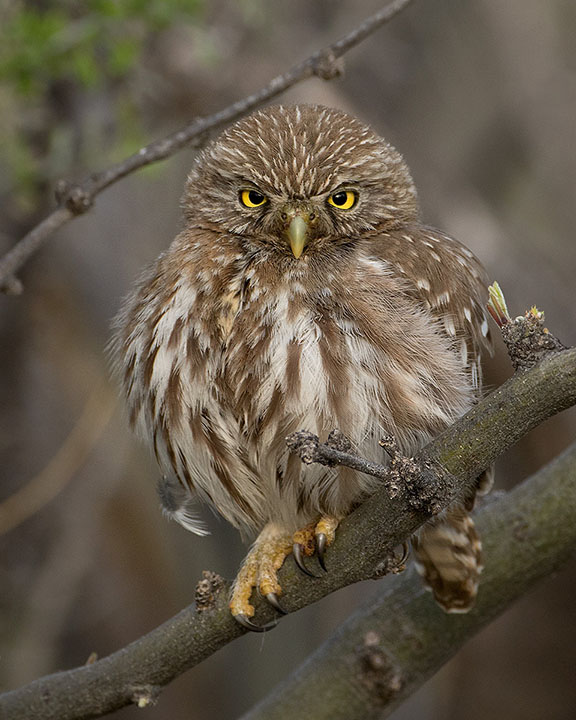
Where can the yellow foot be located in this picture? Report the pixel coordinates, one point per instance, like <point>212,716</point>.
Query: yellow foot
<point>260,567</point>
<point>314,538</point>
<point>259,570</point>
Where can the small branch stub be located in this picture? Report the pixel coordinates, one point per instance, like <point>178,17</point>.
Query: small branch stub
<point>421,481</point>
<point>306,445</point>
<point>207,590</point>
<point>92,658</point>
<point>338,441</point>
<point>74,197</point>
<point>328,66</point>
<point>527,339</point>
<point>145,695</point>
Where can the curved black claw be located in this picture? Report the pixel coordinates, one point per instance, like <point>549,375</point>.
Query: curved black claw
<point>405,553</point>
<point>398,564</point>
<point>272,599</point>
<point>245,621</point>
<point>297,552</point>
<point>320,549</point>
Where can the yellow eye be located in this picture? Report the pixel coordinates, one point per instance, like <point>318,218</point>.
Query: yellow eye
<point>344,199</point>
<point>252,198</point>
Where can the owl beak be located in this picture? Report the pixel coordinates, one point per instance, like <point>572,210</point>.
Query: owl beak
<point>297,232</point>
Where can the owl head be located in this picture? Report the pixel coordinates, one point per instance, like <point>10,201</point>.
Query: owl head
<point>293,179</point>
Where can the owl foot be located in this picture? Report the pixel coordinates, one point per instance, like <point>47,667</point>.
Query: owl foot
<point>259,570</point>
<point>314,538</point>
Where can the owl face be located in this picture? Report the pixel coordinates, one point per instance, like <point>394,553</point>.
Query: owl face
<point>293,180</point>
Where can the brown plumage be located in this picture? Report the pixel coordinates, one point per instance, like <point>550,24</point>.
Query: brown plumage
<point>303,293</point>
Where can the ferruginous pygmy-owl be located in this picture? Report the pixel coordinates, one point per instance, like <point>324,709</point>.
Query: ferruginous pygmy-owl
<point>303,293</point>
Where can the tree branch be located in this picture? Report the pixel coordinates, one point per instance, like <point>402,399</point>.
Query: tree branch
<point>136,673</point>
<point>74,200</point>
<point>389,648</point>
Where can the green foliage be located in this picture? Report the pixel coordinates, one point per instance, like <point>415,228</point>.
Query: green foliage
<point>89,42</point>
<point>98,39</point>
<point>86,48</point>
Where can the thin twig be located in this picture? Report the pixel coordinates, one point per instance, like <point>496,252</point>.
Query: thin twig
<point>78,198</point>
<point>310,450</point>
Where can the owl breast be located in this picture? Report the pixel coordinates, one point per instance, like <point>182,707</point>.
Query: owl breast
<point>276,354</point>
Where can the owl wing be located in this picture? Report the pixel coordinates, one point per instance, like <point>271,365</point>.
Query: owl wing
<point>449,281</point>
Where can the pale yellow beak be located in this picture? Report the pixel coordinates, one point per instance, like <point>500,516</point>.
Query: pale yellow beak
<point>297,232</point>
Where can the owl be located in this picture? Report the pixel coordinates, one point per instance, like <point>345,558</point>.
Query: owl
<point>304,292</point>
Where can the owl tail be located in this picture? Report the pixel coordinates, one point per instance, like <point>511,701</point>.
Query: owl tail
<point>448,555</point>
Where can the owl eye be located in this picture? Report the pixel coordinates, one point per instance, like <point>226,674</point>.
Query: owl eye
<point>343,199</point>
<point>252,198</point>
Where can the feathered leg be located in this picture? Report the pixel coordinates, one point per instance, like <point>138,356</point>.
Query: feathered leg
<point>448,555</point>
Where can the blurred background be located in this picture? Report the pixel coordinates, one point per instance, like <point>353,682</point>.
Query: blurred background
<point>480,97</point>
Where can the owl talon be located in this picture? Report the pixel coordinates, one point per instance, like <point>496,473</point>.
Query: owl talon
<point>321,543</point>
<point>245,621</point>
<point>297,552</point>
<point>259,572</point>
<point>405,552</point>
<point>272,599</point>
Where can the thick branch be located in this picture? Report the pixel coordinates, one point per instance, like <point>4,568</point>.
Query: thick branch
<point>137,672</point>
<point>77,199</point>
<point>389,648</point>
